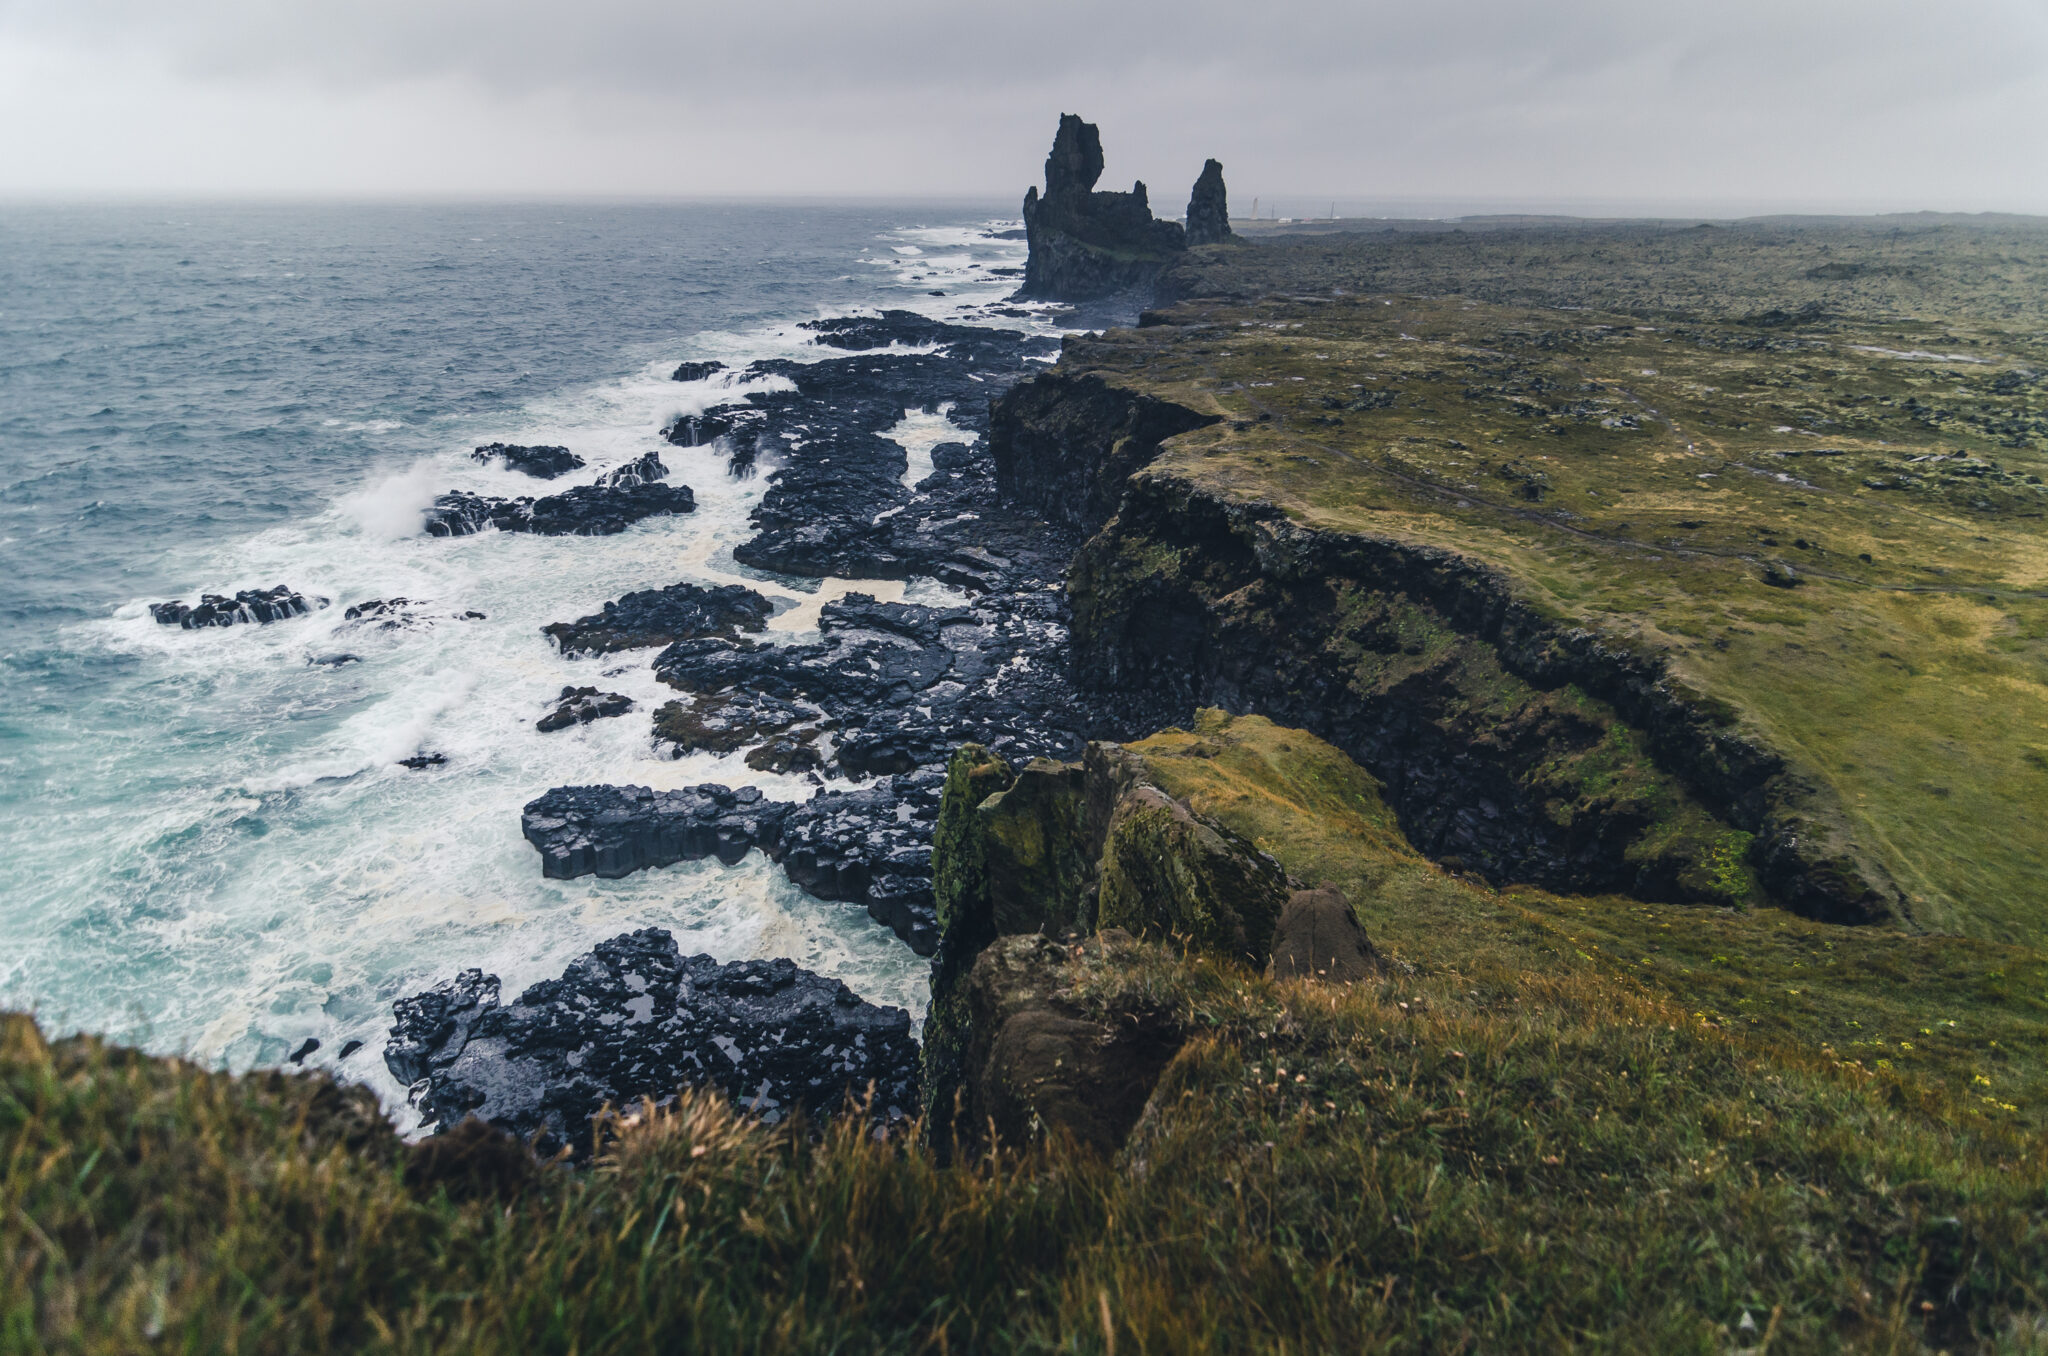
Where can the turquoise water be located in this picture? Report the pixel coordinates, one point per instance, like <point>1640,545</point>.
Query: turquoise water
<point>206,844</point>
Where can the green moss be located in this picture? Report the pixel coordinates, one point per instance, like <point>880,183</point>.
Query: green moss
<point>1166,874</point>
<point>1040,862</point>
<point>959,861</point>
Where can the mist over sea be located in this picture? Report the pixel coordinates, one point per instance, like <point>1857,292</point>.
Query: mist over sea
<point>206,843</point>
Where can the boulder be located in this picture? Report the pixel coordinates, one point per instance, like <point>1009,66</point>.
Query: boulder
<point>695,371</point>
<point>1039,1064</point>
<point>1170,874</point>
<point>1072,847</point>
<point>1319,937</point>
<point>651,617</point>
<point>634,1019</point>
<point>580,706</point>
<point>585,511</point>
<point>542,463</point>
<point>644,470</point>
<point>258,606</point>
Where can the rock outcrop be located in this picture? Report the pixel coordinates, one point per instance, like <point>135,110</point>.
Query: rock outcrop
<point>1037,1061</point>
<point>1085,244</point>
<point>635,1019</point>
<point>580,706</point>
<point>542,463</point>
<point>586,511</point>
<point>652,617</point>
<point>870,846</point>
<point>1208,220</point>
<point>256,606</point>
<point>1075,847</point>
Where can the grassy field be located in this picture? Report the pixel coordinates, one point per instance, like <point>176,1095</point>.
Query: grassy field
<point>1827,510</point>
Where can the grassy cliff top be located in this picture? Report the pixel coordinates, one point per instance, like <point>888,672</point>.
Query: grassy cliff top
<point>1804,463</point>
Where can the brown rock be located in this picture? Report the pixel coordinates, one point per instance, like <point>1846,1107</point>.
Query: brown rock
<point>1318,937</point>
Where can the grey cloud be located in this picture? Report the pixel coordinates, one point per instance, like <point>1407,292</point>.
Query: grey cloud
<point>1737,96</point>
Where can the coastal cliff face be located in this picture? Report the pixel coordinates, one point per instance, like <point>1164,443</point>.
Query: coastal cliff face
<point>1606,598</point>
<point>1087,244</point>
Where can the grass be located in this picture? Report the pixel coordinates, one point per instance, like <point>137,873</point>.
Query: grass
<point>1507,1161</point>
<point>1640,451</point>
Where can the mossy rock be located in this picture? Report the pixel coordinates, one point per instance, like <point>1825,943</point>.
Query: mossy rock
<point>1037,852</point>
<point>1169,873</point>
<point>959,869</point>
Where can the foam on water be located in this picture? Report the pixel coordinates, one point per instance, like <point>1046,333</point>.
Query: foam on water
<point>243,864</point>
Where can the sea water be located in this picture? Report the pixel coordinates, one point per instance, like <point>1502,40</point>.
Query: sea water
<point>207,843</point>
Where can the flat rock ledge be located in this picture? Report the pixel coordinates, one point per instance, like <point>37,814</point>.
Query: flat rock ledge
<point>635,1019</point>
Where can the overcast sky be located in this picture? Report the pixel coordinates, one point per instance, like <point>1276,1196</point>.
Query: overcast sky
<point>1752,104</point>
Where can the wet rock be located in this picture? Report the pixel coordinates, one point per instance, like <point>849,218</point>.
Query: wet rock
<point>870,846</point>
<point>695,371</point>
<point>333,661</point>
<point>306,1048</point>
<point>542,463</point>
<point>257,606</point>
<point>724,722</point>
<point>420,762</point>
<point>644,470</point>
<point>580,706</point>
<point>740,422</point>
<point>585,511</point>
<point>635,1019</point>
<point>651,617</point>
<point>398,614</point>
<point>613,831</point>
<point>1208,220</point>
<point>1319,937</point>
<point>348,1048</point>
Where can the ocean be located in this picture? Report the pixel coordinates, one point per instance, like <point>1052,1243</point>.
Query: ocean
<point>207,845</point>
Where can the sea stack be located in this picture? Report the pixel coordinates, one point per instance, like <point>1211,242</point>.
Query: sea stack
<point>1208,208</point>
<point>1085,244</point>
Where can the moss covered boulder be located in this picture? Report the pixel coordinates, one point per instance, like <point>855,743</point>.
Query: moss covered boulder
<point>1169,873</point>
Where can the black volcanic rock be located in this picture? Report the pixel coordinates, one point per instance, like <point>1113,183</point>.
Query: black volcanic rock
<point>585,511</point>
<point>1208,221</point>
<point>1085,244</point>
<point>613,831</point>
<point>695,371</point>
<point>870,846</point>
<point>398,614</point>
<point>580,706</point>
<point>635,1019</point>
<point>640,471</point>
<point>250,605</point>
<point>651,617</point>
<point>542,463</point>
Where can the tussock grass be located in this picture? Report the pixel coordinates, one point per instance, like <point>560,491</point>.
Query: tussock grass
<point>1546,1163</point>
